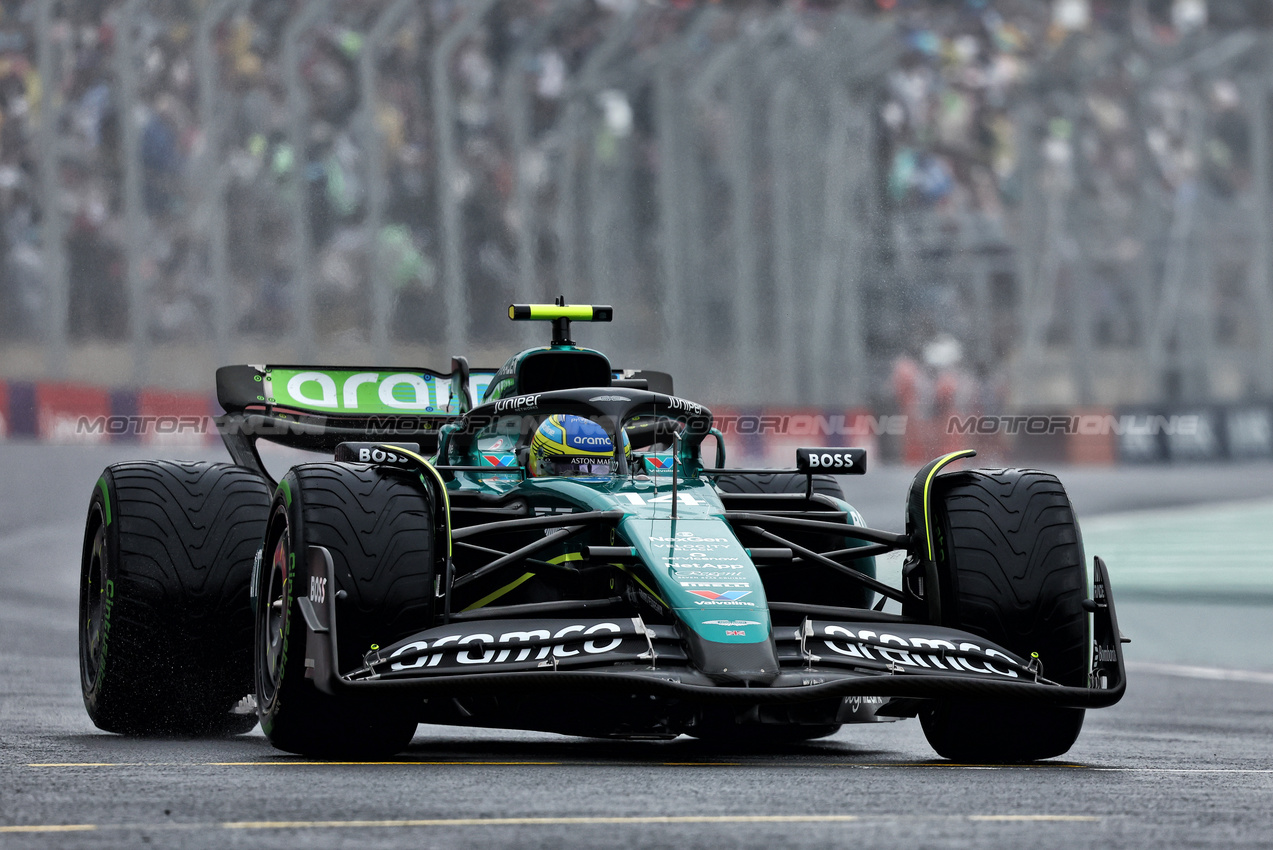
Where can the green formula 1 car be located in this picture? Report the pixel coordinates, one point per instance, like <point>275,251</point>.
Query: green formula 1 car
<point>544,546</point>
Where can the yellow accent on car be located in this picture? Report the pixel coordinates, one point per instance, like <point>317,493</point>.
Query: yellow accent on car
<point>648,589</point>
<point>574,312</point>
<point>492,596</point>
<point>446,500</point>
<point>928,483</point>
<point>518,582</point>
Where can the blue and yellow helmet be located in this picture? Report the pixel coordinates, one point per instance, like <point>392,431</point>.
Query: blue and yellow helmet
<point>572,446</point>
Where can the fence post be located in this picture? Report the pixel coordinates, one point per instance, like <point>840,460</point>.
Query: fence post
<point>674,189</point>
<point>1082,290</point>
<point>720,66</point>
<point>138,315</point>
<point>1028,237</point>
<point>587,84</point>
<point>746,299</point>
<point>208,174</point>
<point>373,145</point>
<point>1260,373</point>
<point>1173,291</point>
<point>517,108</point>
<point>854,365</point>
<point>835,221</point>
<point>668,106</point>
<point>748,332</point>
<point>457,318</point>
<point>53,229</point>
<point>302,286</point>
<point>786,287</point>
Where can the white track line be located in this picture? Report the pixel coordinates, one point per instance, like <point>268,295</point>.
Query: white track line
<point>1217,674</point>
<point>690,820</point>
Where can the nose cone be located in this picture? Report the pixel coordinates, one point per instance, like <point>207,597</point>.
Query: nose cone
<point>746,664</point>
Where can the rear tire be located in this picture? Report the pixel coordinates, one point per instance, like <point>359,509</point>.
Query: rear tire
<point>779,482</point>
<point>378,527</point>
<point>1011,567</point>
<point>165,626</point>
<point>813,583</point>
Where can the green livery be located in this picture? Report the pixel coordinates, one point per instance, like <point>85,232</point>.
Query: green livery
<point>473,552</point>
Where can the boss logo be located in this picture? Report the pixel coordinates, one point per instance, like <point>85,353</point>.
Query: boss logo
<point>318,589</point>
<point>839,461</point>
<point>379,456</point>
<point>375,453</point>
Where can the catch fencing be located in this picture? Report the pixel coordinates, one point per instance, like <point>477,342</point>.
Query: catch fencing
<point>786,204</point>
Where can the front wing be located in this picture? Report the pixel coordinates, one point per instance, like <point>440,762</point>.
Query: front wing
<point>819,659</point>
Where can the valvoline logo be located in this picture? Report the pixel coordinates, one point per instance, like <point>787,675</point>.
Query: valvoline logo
<point>657,462</point>
<point>727,596</point>
<point>500,459</point>
<point>552,431</point>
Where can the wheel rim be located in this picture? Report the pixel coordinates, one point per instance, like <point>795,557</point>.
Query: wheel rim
<point>94,604</point>
<point>274,602</point>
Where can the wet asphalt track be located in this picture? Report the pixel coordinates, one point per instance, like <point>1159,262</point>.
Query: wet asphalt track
<point>1185,760</point>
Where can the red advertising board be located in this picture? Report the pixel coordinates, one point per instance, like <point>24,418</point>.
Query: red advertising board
<point>72,413</point>
<point>174,419</point>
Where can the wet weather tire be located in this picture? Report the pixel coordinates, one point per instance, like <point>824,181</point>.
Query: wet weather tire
<point>165,625</point>
<point>378,527</point>
<point>1011,565</point>
<point>779,482</point>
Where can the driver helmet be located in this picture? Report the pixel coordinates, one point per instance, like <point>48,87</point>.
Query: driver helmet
<point>572,446</point>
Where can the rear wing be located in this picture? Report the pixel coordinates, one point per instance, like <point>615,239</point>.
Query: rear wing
<point>318,407</point>
<point>351,391</point>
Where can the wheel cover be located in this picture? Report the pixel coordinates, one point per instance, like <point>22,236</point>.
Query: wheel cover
<point>273,605</point>
<point>94,606</point>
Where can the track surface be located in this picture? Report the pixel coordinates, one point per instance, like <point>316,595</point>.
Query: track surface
<point>1185,760</point>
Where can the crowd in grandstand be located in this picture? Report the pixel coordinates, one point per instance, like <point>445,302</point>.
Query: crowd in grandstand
<point>976,83</point>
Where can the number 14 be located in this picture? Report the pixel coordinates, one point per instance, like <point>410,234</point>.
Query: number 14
<point>683,498</point>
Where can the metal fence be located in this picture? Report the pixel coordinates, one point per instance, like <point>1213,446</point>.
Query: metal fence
<point>782,202</point>
<point>1143,245</point>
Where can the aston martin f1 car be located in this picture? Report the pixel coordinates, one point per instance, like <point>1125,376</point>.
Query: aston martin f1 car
<point>435,569</point>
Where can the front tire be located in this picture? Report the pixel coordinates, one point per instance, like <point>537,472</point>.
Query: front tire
<point>1011,568</point>
<point>165,625</point>
<point>378,527</point>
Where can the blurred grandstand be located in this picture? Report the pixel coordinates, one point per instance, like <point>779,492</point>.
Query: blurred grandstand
<point>1036,203</point>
